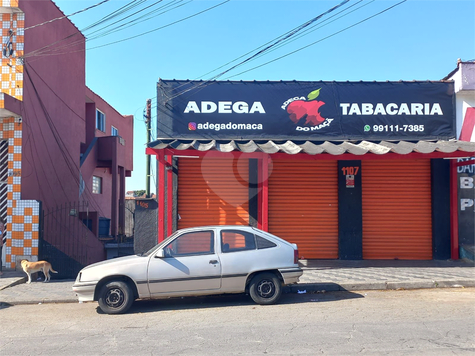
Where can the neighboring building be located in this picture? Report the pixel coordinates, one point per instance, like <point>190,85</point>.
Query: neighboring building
<point>348,170</point>
<point>65,152</point>
<point>464,82</point>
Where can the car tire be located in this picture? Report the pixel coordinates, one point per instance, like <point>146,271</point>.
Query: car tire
<point>115,297</point>
<point>265,288</point>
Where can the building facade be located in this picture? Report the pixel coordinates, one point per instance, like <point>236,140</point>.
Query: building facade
<point>65,151</point>
<point>348,170</point>
<point>464,81</point>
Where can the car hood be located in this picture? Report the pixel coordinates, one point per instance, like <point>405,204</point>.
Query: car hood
<point>115,261</point>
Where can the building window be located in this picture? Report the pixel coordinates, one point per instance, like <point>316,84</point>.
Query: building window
<point>96,185</point>
<point>100,121</point>
<point>114,131</point>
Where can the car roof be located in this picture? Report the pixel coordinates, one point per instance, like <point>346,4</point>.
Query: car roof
<point>236,227</point>
<point>240,227</point>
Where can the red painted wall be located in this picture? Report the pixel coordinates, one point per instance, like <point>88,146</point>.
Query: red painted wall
<point>54,107</point>
<point>124,124</point>
<point>59,116</point>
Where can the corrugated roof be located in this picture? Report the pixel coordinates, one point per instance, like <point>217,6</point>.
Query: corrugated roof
<point>312,147</point>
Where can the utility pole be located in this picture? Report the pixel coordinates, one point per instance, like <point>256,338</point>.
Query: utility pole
<point>148,119</point>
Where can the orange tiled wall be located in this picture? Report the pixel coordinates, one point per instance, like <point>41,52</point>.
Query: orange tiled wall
<point>22,223</point>
<point>10,3</point>
<point>22,215</point>
<point>13,25</point>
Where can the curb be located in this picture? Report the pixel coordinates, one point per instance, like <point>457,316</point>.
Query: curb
<point>299,288</point>
<point>20,280</point>
<point>30,302</point>
<point>358,286</point>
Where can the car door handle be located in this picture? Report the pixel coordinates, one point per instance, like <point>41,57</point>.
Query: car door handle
<point>213,262</point>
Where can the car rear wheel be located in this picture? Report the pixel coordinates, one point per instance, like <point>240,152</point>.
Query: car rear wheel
<point>115,297</point>
<point>265,288</point>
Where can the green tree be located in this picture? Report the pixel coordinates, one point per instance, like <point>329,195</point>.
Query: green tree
<point>139,193</point>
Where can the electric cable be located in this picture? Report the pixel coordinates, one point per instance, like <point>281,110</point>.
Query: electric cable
<point>131,21</point>
<point>66,16</point>
<point>70,163</point>
<point>274,43</point>
<point>322,39</point>
<point>42,51</point>
<point>129,6</point>
<point>63,48</point>
<point>48,155</point>
<point>34,161</point>
<point>205,82</point>
<point>316,27</point>
<point>162,27</point>
<point>267,43</point>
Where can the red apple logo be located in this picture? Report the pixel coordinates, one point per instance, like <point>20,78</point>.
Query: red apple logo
<point>298,109</point>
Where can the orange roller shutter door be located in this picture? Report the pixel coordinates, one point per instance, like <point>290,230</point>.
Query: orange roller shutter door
<point>213,191</point>
<point>303,206</point>
<point>397,215</point>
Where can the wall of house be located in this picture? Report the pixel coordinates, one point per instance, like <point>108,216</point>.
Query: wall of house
<point>124,125</point>
<point>54,106</point>
<point>44,131</point>
<point>22,216</point>
<point>464,100</point>
<point>21,233</point>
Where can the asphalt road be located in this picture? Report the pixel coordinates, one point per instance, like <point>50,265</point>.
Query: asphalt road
<point>415,322</point>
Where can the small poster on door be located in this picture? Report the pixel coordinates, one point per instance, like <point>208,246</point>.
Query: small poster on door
<point>350,180</point>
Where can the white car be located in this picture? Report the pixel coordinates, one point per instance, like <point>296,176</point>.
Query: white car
<point>191,262</point>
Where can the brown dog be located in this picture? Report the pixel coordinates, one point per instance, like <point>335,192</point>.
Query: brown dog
<point>32,267</point>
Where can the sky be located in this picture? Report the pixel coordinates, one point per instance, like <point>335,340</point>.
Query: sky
<point>371,40</point>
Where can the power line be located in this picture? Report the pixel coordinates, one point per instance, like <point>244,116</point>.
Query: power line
<point>315,28</point>
<point>166,8</point>
<point>322,39</point>
<point>66,16</point>
<point>162,27</point>
<point>130,5</point>
<point>111,16</point>
<point>56,51</point>
<point>267,47</point>
<point>122,10</point>
<point>69,160</point>
<point>289,35</point>
<point>206,82</point>
<point>267,43</point>
<point>134,21</point>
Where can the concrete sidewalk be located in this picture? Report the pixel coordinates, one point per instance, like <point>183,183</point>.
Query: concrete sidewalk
<point>319,275</point>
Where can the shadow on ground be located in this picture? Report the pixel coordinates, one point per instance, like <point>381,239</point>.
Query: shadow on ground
<point>233,300</point>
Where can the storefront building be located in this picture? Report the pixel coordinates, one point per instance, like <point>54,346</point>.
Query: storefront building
<point>347,170</point>
<point>464,84</point>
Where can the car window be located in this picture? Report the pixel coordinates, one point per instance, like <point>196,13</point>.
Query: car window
<point>234,240</point>
<point>264,243</point>
<point>191,243</point>
<point>154,248</point>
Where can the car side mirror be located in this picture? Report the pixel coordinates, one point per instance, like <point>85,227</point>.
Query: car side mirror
<point>160,253</point>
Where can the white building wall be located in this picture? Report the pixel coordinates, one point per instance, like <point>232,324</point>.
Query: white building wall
<point>464,84</point>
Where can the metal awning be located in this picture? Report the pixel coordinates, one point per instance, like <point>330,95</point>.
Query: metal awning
<point>452,148</point>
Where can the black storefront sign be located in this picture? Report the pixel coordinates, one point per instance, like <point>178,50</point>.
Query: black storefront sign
<point>306,110</point>
<point>466,202</point>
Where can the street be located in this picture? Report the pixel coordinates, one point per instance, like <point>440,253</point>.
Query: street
<point>415,322</point>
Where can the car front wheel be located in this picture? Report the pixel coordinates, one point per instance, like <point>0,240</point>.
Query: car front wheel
<point>115,297</point>
<point>265,288</point>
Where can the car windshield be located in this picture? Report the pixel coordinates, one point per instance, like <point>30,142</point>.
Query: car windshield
<point>154,248</point>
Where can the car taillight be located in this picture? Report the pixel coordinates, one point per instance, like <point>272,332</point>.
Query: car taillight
<point>296,256</point>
